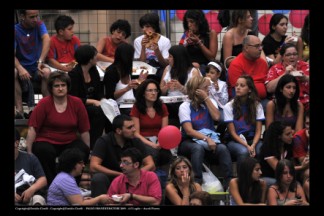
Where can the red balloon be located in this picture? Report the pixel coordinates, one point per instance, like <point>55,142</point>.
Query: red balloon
<point>263,24</point>
<point>169,137</point>
<point>211,17</point>
<point>180,14</point>
<point>296,18</point>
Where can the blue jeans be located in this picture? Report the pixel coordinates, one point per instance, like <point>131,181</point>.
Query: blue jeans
<point>196,153</point>
<point>240,152</point>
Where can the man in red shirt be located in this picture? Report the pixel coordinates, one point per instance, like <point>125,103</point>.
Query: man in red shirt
<point>249,62</point>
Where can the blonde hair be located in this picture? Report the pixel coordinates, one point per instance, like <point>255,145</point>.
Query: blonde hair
<point>192,85</point>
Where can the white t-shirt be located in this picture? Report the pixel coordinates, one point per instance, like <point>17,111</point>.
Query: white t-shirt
<point>164,46</point>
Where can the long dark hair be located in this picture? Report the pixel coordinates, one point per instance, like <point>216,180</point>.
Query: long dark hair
<point>181,63</point>
<point>124,59</point>
<point>275,19</point>
<point>272,142</point>
<point>199,17</point>
<point>279,172</point>
<point>250,190</point>
<point>251,102</point>
<point>140,99</point>
<point>280,98</point>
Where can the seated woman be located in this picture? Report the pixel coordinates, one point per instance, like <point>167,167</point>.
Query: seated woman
<point>277,37</point>
<point>174,78</point>
<point>197,114</point>
<point>232,43</point>
<point>155,55</point>
<point>277,145</point>
<point>117,80</point>
<point>85,84</point>
<point>244,115</point>
<point>248,188</point>
<point>120,30</point>
<point>150,115</point>
<point>286,190</point>
<point>55,122</point>
<point>285,106</point>
<point>64,190</point>
<point>181,182</point>
<point>200,41</point>
<point>289,64</point>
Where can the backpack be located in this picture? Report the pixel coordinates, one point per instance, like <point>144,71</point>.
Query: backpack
<point>224,17</point>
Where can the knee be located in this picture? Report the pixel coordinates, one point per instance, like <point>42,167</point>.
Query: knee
<point>221,148</point>
<point>198,148</point>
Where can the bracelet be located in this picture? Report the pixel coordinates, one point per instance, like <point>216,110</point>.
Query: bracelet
<point>200,43</point>
<point>206,98</point>
<point>39,61</point>
<point>185,197</point>
<point>131,196</point>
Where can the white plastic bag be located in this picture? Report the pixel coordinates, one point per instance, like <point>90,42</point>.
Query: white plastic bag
<point>110,108</point>
<point>211,184</point>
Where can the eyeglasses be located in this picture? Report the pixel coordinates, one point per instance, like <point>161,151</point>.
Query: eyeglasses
<point>258,46</point>
<point>59,85</point>
<point>152,90</point>
<point>126,163</point>
<point>291,54</point>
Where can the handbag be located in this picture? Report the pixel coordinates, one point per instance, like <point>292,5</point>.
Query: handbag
<point>110,108</point>
<point>211,183</point>
<point>210,133</point>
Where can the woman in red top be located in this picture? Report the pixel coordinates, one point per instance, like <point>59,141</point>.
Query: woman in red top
<point>54,123</point>
<point>289,65</point>
<point>150,115</point>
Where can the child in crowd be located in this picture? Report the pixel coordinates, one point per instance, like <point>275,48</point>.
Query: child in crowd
<point>200,198</point>
<point>218,89</point>
<point>63,45</point>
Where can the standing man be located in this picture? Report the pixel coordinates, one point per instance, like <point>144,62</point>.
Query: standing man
<point>250,62</point>
<point>106,154</point>
<point>31,46</point>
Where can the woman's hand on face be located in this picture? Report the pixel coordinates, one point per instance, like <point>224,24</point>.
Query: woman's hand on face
<point>194,38</point>
<point>201,94</point>
<point>185,179</point>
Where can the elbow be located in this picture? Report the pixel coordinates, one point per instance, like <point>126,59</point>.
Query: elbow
<point>156,202</point>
